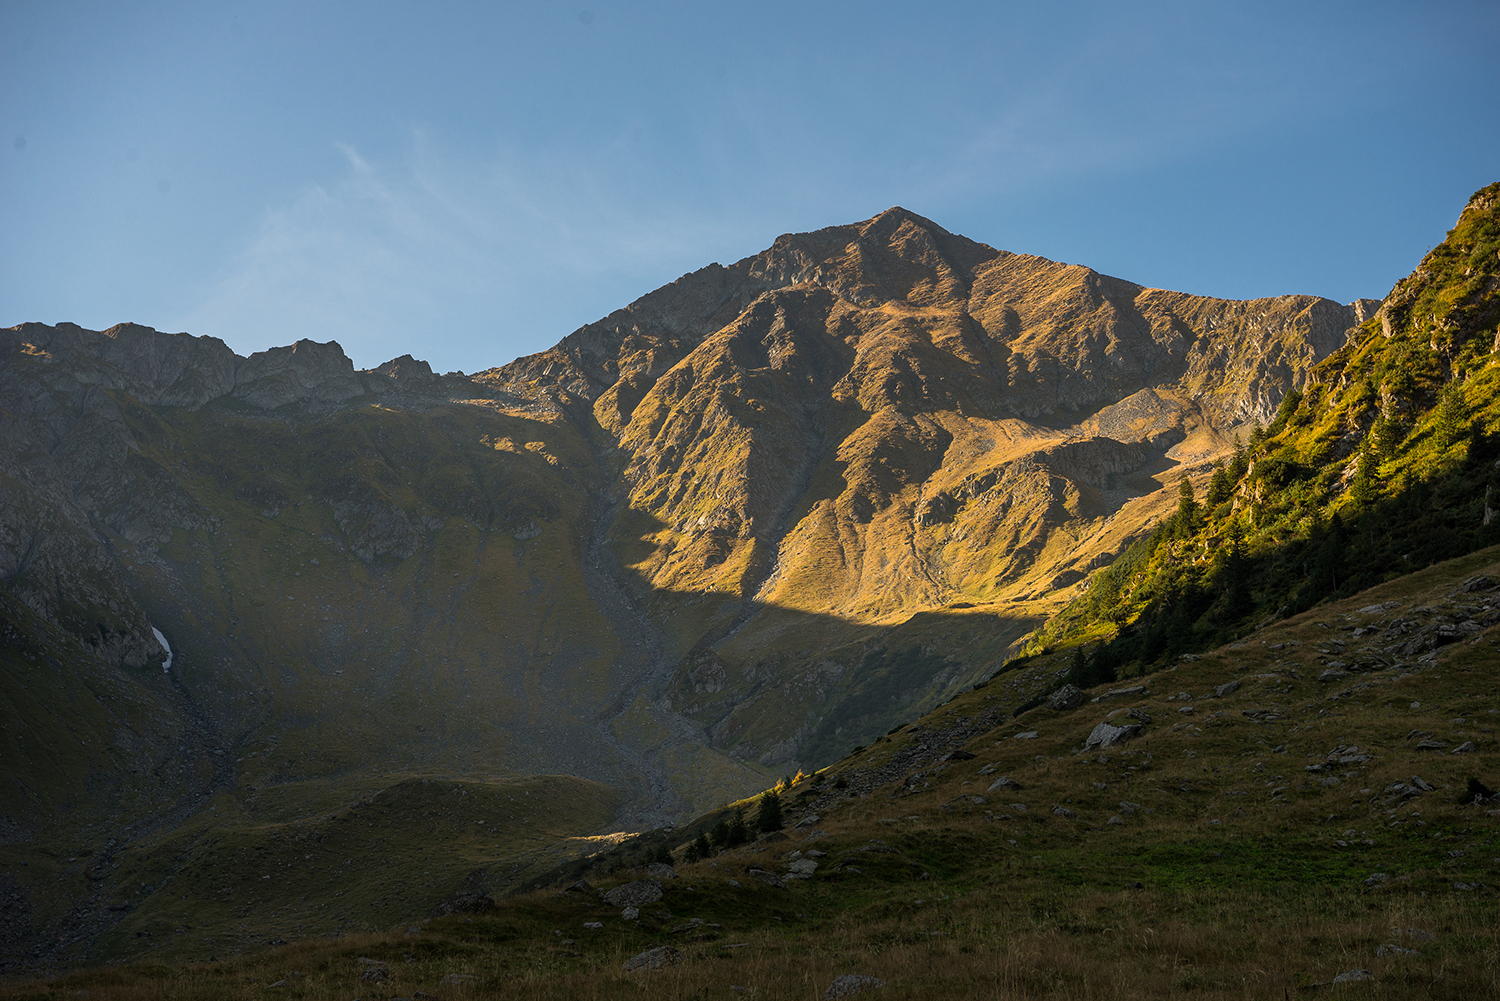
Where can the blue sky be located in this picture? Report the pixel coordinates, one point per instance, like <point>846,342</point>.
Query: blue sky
<point>470,182</point>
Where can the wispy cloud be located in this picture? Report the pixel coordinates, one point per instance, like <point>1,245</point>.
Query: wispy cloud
<point>472,262</point>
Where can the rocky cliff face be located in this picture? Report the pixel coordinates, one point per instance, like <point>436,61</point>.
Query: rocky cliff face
<point>836,479</point>
<point>875,421</point>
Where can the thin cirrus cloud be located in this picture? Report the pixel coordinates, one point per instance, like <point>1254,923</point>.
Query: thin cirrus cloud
<point>464,261</point>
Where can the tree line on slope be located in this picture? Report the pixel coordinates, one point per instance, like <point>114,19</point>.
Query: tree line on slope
<point>1386,464</point>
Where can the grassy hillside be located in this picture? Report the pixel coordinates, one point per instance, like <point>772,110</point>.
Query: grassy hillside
<point>1388,462</point>
<point>1249,844</point>
<point>234,877</point>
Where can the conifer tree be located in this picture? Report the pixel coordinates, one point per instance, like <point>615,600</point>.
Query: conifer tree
<point>769,817</point>
<point>1219,488</point>
<point>1451,418</point>
<point>738,833</point>
<point>1233,576</point>
<point>1363,487</point>
<point>1387,432</point>
<point>701,846</point>
<point>1187,507</point>
<point>1240,464</point>
<point>719,836</point>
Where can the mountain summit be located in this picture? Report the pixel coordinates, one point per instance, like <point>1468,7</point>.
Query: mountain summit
<point>753,518</point>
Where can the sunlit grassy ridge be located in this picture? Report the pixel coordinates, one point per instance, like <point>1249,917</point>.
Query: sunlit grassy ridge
<point>1385,464</point>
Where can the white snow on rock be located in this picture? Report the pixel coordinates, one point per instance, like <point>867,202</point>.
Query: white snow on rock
<point>166,665</point>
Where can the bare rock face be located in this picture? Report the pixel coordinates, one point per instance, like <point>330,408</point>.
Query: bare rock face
<point>305,371</point>
<point>854,389</point>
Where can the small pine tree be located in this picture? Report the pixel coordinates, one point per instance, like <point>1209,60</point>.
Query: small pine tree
<point>769,817</point>
<point>1219,489</point>
<point>1240,464</point>
<point>691,854</point>
<point>663,854</point>
<point>1187,507</point>
<point>1078,666</point>
<point>738,832</point>
<point>1451,418</point>
<point>1289,404</point>
<point>701,846</point>
<point>719,836</point>
<point>1387,433</point>
<point>1363,488</point>
<point>1232,575</point>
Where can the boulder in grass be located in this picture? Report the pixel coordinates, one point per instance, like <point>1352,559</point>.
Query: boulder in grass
<point>1108,735</point>
<point>850,984</point>
<point>634,894</point>
<point>1065,698</point>
<point>652,959</point>
<point>768,878</point>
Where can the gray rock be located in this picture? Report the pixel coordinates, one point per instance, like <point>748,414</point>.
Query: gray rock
<point>1108,735</point>
<point>652,959</point>
<point>1353,976</point>
<point>849,984</point>
<point>1467,747</point>
<point>809,820</point>
<point>769,878</point>
<point>1225,689</point>
<point>1065,698</point>
<point>1003,782</point>
<point>631,914</point>
<point>593,924</point>
<point>1028,735</point>
<point>804,866</point>
<point>375,974</point>
<point>1116,820</point>
<point>1062,811</point>
<point>1375,879</point>
<point>658,870</point>
<point>1123,693</point>
<point>1430,745</point>
<point>634,894</point>
<point>453,979</point>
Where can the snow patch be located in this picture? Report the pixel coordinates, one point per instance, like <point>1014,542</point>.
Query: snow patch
<point>166,665</point>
